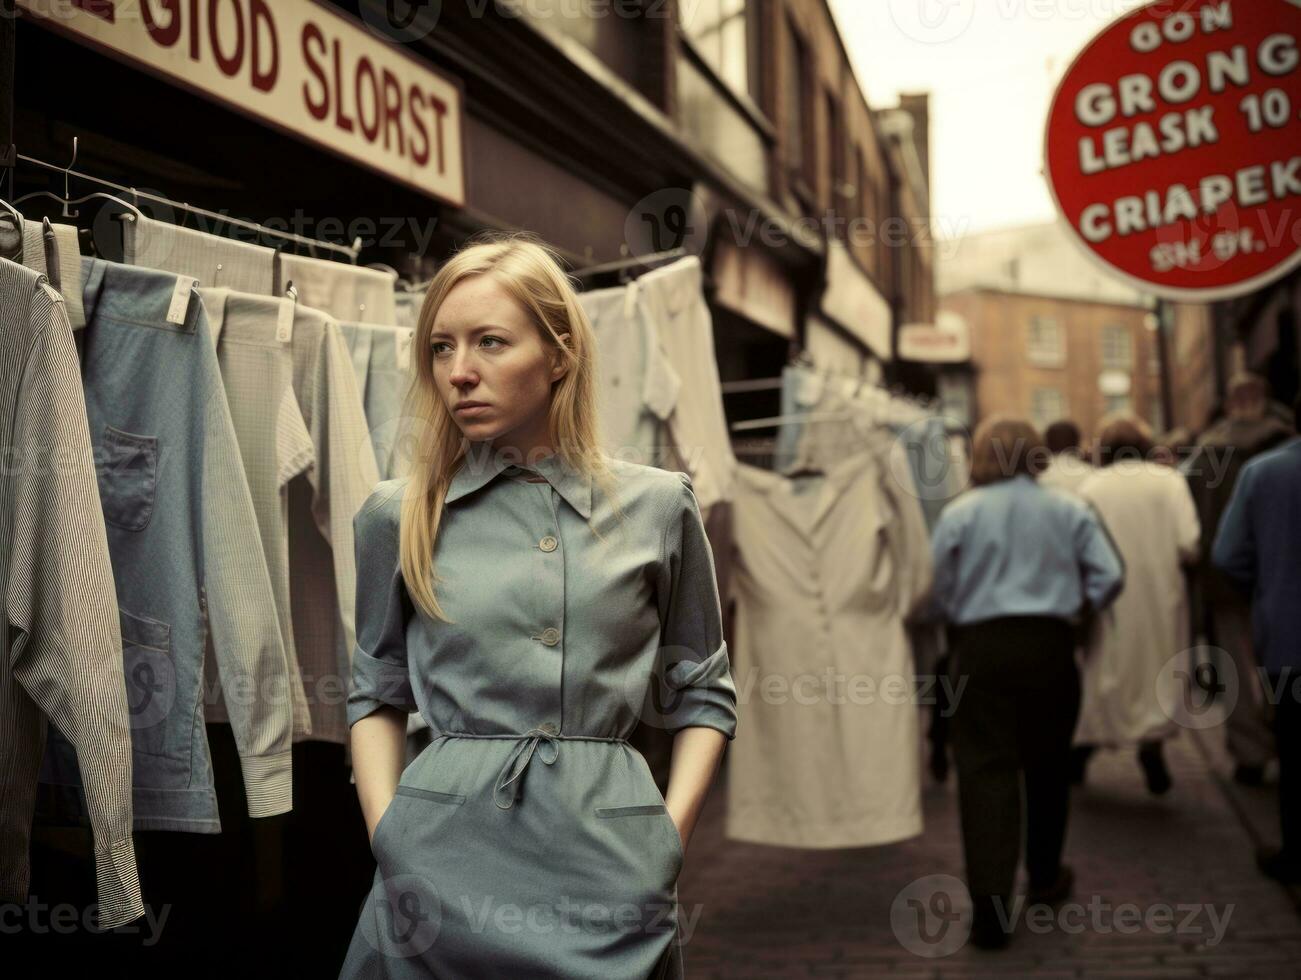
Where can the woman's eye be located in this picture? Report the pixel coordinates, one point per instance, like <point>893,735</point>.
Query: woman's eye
<point>442,347</point>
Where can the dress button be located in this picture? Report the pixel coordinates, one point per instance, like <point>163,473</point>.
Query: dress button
<point>548,543</point>
<point>550,636</point>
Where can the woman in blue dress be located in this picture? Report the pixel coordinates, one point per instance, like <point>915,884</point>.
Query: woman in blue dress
<point>535,600</point>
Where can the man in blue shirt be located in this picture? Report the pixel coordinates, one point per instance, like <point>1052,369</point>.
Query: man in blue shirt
<point>1259,548</point>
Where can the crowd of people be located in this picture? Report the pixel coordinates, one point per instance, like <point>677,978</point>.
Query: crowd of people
<point>1074,582</point>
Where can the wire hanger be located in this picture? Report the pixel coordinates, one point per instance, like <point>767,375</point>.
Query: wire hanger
<point>11,242</point>
<point>66,202</point>
<point>626,265</point>
<point>350,251</point>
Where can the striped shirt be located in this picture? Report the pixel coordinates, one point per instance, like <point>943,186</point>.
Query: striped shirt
<point>62,634</point>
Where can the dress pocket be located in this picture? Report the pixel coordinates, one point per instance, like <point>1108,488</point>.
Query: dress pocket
<point>452,799</point>
<point>150,676</point>
<point>128,477</point>
<point>405,798</point>
<point>644,811</point>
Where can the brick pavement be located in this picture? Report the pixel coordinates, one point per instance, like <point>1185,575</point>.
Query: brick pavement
<point>775,912</point>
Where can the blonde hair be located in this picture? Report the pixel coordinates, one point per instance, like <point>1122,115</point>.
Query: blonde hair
<point>531,273</point>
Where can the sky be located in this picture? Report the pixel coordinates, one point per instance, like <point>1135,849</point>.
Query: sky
<point>991,67</point>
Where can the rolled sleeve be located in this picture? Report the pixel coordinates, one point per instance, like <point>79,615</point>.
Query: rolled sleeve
<point>380,674</point>
<point>696,673</point>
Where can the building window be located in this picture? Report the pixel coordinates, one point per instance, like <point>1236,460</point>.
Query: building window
<point>1117,347</point>
<point>1113,404</point>
<point>799,115</point>
<point>720,32</point>
<point>1047,405</point>
<point>954,391</point>
<point>1047,345</point>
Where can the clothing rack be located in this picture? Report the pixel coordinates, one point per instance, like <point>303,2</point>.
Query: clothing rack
<point>776,420</point>
<point>648,262</point>
<point>351,251</point>
<point>917,404</point>
<point>768,384</point>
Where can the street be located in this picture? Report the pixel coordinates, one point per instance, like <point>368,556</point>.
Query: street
<point>1184,862</point>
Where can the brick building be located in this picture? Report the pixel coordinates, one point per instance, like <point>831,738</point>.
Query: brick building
<point>1051,336</point>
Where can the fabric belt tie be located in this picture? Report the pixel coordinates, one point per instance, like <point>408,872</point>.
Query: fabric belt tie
<point>510,779</point>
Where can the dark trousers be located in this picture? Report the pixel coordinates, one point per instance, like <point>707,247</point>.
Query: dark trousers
<point>1012,724</point>
<point>1287,731</point>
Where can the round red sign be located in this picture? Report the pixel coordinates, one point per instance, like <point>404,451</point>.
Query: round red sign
<point>1173,149</point>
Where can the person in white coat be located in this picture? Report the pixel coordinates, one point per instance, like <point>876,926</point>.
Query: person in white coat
<point>1134,687</point>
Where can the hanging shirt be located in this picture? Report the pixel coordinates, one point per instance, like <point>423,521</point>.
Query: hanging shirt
<point>672,298</point>
<point>570,624</point>
<point>192,585</point>
<point>322,503</point>
<point>1014,548</point>
<point>63,641</point>
<point>215,260</point>
<point>344,291</point>
<point>66,256</point>
<point>638,387</point>
<point>257,372</point>
<point>826,568</point>
<point>381,359</point>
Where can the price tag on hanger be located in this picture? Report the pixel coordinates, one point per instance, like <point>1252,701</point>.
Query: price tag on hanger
<point>405,340</point>
<point>180,299</point>
<point>285,321</point>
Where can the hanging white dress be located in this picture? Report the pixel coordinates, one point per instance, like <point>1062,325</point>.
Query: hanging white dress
<point>825,570</point>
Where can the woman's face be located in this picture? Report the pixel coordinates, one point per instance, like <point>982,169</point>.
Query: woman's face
<point>487,352</point>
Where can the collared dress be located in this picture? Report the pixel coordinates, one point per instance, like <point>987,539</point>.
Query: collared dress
<point>529,838</point>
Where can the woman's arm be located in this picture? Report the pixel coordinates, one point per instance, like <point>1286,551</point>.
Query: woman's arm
<point>694,676</point>
<point>378,756</point>
<point>696,754</point>
<point>380,695</point>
